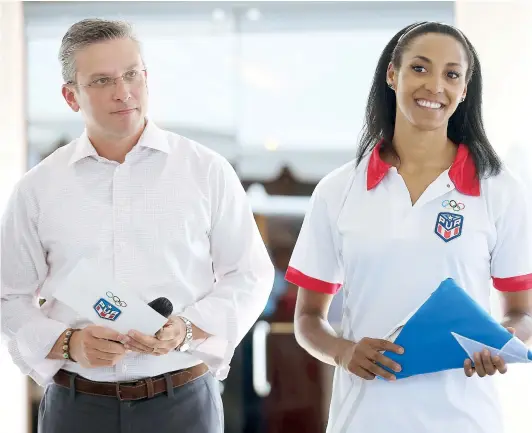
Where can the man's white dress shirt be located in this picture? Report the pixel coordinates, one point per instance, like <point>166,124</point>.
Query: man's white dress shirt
<point>173,220</point>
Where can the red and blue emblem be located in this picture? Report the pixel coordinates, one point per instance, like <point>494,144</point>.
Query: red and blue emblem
<point>449,226</point>
<point>106,310</point>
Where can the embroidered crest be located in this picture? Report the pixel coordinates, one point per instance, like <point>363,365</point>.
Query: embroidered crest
<point>449,226</point>
<point>106,310</point>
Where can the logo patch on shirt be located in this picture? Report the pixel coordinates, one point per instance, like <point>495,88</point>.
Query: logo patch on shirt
<point>449,226</point>
<point>453,205</point>
<point>106,310</point>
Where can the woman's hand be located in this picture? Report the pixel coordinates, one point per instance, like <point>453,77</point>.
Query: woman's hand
<point>362,359</point>
<point>485,364</point>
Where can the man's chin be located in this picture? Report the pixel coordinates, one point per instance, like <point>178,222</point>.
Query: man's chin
<point>126,129</point>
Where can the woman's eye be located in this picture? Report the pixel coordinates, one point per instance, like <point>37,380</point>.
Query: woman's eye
<point>419,68</point>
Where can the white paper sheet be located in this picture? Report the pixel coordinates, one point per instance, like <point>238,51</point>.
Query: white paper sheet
<point>103,303</point>
<point>512,352</point>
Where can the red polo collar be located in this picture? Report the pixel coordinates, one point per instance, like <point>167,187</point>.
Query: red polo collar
<point>462,173</point>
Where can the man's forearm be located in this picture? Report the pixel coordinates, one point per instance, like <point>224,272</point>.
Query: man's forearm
<point>197,333</point>
<point>57,349</point>
<point>318,338</point>
<point>33,332</point>
<point>522,323</point>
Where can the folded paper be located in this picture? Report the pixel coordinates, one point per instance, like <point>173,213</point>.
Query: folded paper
<point>447,329</point>
<point>104,303</point>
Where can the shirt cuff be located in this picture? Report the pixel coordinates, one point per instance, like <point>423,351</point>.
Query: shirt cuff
<point>216,353</point>
<point>218,349</point>
<point>32,344</point>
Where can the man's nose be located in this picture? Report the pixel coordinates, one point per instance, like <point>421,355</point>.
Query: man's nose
<point>121,90</point>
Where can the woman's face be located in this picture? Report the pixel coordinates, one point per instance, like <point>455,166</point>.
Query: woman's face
<point>431,80</point>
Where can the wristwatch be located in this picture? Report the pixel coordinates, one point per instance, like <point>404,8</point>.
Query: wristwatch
<point>185,345</point>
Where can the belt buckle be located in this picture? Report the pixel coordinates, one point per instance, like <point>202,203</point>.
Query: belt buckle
<point>118,394</point>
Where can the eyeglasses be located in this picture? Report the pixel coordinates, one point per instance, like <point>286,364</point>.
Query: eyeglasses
<point>133,76</point>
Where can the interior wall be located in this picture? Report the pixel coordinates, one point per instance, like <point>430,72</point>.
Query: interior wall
<point>501,32</point>
<point>13,385</point>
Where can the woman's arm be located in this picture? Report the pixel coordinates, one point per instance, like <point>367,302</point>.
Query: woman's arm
<point>517,310</point>
<point>313,331</point>
<point>315,334</point>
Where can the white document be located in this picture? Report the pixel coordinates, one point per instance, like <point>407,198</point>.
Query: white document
<point>104,304</point>
<point>512,352</point>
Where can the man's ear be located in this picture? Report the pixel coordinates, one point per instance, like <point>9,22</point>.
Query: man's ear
<point>69,94</point>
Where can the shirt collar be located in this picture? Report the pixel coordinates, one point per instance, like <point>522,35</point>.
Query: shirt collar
<point>152,137</point>
<point>462,173</point>
<point>82,149</point>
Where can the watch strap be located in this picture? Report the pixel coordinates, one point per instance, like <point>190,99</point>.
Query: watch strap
<point>185,344</point>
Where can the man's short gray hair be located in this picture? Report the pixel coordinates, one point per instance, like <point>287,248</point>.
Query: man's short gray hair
<point>85,33</point>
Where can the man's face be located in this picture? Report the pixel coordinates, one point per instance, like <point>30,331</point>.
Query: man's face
<point>110,108</point>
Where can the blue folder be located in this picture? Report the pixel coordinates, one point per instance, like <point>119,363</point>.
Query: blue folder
<point>447,329</point>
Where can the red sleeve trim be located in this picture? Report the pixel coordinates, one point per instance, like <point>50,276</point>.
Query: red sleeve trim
<point>513,284</point>
<point>302,280</point>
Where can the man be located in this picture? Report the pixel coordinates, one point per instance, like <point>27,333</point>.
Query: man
<point>157,214</point>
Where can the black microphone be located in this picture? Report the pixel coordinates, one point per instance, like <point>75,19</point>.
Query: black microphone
<point>163,306</point>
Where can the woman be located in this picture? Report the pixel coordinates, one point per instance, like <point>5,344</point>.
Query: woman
<point>373,229</point>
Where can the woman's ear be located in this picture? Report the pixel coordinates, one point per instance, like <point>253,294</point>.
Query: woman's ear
<point>391,77</point>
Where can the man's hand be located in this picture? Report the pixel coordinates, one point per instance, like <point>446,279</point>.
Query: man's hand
<point>485,364</point>
<point>97,346</point>
<point>362,359</point>
<point>166,339</point>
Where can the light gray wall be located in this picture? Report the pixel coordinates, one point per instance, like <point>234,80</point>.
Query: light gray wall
<point>297,77</point>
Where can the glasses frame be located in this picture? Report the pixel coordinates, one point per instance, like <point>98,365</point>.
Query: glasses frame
<point>112,83</point>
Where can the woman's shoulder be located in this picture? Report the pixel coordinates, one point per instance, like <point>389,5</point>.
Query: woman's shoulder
<point>333,184</point>
<point>504,182</point>
<point>505,191</point>
<point>333,189</point>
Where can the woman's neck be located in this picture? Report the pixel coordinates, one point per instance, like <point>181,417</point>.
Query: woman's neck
<point>418,149</point>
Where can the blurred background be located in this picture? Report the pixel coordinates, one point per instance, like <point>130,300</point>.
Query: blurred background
<point>279,89</point>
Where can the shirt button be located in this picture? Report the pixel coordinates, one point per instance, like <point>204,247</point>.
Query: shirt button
<point>124,368</point>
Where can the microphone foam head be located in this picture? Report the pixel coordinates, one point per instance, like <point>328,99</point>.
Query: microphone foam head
<point>163,306</point>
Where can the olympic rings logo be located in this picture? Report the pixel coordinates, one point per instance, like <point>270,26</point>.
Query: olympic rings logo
<point>453,204</point>
<point>116,300</point>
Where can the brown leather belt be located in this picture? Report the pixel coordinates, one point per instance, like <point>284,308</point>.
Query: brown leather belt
<point>128,391</point>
